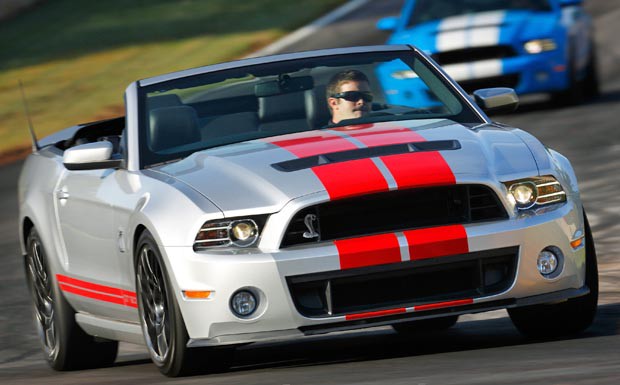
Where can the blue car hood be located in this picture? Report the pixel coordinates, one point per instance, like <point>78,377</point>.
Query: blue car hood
<point>510,27</point>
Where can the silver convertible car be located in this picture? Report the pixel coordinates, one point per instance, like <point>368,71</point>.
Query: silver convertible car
<point>279,197</point>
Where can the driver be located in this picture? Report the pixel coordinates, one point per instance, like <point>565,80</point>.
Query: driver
<point>348,96</point>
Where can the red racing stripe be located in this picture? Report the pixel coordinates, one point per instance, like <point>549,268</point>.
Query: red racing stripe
<point>386,136</point>
<point>313,143</point>
<point>419,169</point>
<point>368,251</point>
<point>348,179</point>
<point>437,242</point>
<point>96,291</point>
<point>377,313</point>
<point>340,180</point>
<point>439,305</point>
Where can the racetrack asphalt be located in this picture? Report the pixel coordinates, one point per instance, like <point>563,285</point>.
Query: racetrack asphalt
<point>481,349</point>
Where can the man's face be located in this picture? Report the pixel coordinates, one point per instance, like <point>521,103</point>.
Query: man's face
<point>351,105</point>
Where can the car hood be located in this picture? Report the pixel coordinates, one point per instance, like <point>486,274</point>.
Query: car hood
<point>478,29</point>
<point>250,177</point>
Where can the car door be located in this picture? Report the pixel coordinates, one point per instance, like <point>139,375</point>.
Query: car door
<point>88,226</point>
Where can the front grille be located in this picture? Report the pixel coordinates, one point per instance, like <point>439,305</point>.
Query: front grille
<point>394,211</point>
<point>510,81</point>
<point>468,55</point>
<point>404,284</point>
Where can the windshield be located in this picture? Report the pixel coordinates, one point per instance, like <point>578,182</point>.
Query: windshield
<point>429,10</point>
<point>189,114</point>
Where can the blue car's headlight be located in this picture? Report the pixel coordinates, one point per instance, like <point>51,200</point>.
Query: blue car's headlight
<point>536,191</point>
<point>540,45</point>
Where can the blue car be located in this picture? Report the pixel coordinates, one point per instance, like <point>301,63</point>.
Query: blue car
<point>532,46</point>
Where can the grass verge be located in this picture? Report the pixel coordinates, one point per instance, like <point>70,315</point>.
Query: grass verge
<point>75,58</point>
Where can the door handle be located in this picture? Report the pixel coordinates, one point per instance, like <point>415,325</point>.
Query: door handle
<point>60,194</point>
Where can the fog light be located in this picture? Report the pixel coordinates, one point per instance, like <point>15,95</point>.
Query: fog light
<point>547,262</point>
<point>243,303</point>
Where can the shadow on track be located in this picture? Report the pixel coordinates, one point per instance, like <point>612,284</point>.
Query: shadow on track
<point>383,343</point>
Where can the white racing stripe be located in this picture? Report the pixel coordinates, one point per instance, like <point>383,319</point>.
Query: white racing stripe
<point>475,30</point>
<point>475,70</point>
<point>404,247</point>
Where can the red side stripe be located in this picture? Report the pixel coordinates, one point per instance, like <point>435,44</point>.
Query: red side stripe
<point>437,242</point>
<point>440,305</point>
<point>368,251</point>
<point>378,313</point>
<point>96,291</point>
<point>419,169</point>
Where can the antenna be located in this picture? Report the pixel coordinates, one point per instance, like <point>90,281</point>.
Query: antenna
<point>35,144</point>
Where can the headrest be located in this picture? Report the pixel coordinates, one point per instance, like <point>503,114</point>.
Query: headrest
<point>316,107</point>
<point>160,101</point>
<point>281,107</point>
<point>173,126</point>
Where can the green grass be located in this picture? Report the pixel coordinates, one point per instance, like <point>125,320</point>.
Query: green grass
<point>75,58</point>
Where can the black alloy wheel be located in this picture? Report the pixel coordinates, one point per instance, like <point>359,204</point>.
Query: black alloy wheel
<point>42,297</point>
<point>154,304</point>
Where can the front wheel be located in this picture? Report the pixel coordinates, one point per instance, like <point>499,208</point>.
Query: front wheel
<point>570,317</point>
<point>162,323</point>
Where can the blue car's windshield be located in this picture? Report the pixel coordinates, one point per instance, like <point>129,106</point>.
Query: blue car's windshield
<point>429,10</point>
<point>215,108</point>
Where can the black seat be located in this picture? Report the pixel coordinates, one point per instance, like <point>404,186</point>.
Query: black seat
<point>317,111</point>
<point>172,126</point>
<point>160,101</point>
<point>228,125</point>
<point>283,112</point>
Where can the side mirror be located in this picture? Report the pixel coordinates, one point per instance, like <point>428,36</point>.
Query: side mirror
<point>90,156</point>
<point>568,3</point>
<point>497,100</point>
<point>387,23</point>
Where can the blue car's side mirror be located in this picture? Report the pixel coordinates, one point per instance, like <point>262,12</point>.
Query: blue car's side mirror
<point>387,23</point>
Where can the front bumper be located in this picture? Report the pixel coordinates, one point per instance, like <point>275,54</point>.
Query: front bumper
<point>526,73</point>
<point>211,321</point>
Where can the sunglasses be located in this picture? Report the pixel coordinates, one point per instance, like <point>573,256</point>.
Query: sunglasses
<point>354,96</point>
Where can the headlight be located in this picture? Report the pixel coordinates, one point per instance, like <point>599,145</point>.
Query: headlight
<point>239,232</point>
<point>407,74</point>
<point>537,191</point>
<point>540,45</point>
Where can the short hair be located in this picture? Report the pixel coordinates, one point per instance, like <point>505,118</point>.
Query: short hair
<point>333,87</point>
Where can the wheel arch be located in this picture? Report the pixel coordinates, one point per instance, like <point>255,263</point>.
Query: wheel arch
<point>141,228</point>
<point>27,225</point>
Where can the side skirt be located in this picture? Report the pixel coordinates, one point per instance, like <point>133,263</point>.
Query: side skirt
<point>110,329</point>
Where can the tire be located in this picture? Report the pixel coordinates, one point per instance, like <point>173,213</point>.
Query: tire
<point>566,318</point>
<point>574,93</point>
<point>426,325</point>
<point>163,327</point>
<point>65,345</point>
<point>591,81</point>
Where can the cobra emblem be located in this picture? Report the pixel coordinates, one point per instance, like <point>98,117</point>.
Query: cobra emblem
<point>309,221</point>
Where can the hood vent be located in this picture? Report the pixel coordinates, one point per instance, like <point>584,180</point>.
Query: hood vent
<point>363,153</point>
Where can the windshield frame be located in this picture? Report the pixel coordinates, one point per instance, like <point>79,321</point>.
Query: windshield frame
<point>148,158</point>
